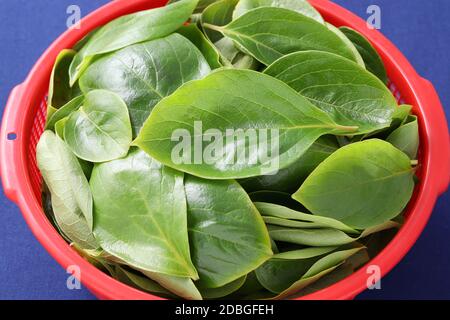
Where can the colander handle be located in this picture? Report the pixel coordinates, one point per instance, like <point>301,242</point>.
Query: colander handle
<point>10,141</point>
<point>438,133</point>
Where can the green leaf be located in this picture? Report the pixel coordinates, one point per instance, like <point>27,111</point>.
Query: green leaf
<point>305,253</point>
<point>311,237</point>
<point>232,56</point>
<point>140,214</point>
<point>356,55</point>
<point>256,106</point>
<point>59,127</point>
<point>218,13</point>
<point>399,117</point>
<point>290,223</point>
<point>70,193</point>
<point>319,269</point>
<point>270,33</point>
<point>300,6</point>
<point>131,29</point>
<point>138,281</point>
<point>349,93</point>
<point>145,73</point>
<point>279,211</point>
<point>181,286</point>
<point>276,197</point>
<point>227,234</point>
<point>100,130</point>
<point>406,137</point>
<point>64,112</point>
<point>229,288</point>
<point>277,275</point>
<point>60,91</point>
<point>371,58</point>
<point>323,237</point>
<point>193,33</point>
<point>290,178</point>
<point>349,184</point>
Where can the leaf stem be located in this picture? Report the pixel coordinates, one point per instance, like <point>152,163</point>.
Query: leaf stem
<point>414,162</point>
<point>213,27</point>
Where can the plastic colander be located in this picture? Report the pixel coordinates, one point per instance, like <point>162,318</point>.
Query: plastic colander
<point>24,118</point>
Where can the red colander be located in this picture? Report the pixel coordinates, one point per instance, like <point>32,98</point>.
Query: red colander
<point>24,118</point>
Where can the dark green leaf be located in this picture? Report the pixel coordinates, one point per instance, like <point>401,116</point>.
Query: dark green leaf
<point>370,56</point>
<point>193,33</point>
<point>60,92</point>
<point>290,178</point>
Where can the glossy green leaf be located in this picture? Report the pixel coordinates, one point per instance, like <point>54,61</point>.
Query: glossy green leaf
<point>131,29</point>
<point>227,234</point>
<point>64,112</point>
<point>370,56</point>
<point>279,211</point>
<point>281,120</point>
<point>269,33</point>
<point>145,73</point>
<point>140,214</point>
<point>229,288</point>
<point>406,137</point>
<point>399,117</point>
<point>349,93</point>
<point>193,33</point>
<point>349,184</point>
<point>60,91</point>
<point>319,269</point>
<point>356,55</point>
<point>70,193</point>
<point>218,13</point>
<point>100,130</point>
<point>290,178</point>
<point>300,6</point>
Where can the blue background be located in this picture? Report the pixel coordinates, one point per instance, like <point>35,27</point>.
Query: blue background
<point>420,28</point>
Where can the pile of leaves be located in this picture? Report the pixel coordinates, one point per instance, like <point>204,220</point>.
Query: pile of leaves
<point>213,229</point>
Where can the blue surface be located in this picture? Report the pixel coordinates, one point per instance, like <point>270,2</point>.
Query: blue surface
<point>420,28</point>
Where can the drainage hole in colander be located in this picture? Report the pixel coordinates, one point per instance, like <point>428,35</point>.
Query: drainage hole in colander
<point>11,136</point>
